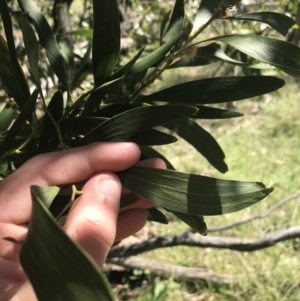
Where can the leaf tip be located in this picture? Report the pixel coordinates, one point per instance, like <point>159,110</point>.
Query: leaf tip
<point>265,189</point>
<point>269,190</point>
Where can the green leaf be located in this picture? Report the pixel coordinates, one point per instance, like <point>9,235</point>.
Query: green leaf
<point>153,137</point>
<point>49,137</point>
<point>4,169</point>
<point>84,69</point>
<point>128,199</point>
<point>116,99</point>
<point>113,109</point>
<point>217,90</point>
<point>24,115</point>
<point>154,57</point>
<point>10,59</point>
<point>176,21</point>
<point>204,56</point>
<point>155,215</point>
<point>124,126</point>
<point>57,267</point>
<point>7,75</point>
<point>281,23</point>
<point>94,101</point>
<point>106,39</point>
<point>214,52</point>
<point>201,140</point>
<point>215,113</point>
<point>46,194</point>
<point>97,95</point>
<point>31,48</point>
<point>149,152</point>
<point>206,10</point>
<point>84,96</point>
<point>7,115</point>
<point>196,222</point>
<point>281,54</point>
<point>190,193</point>
<point>18,72</point>
<point>127,67</point>
<point>81,125</point>
<point>47,39</point>
<point>82,32</point>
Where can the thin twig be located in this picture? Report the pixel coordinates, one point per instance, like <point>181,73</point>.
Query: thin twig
<point>75,193</point>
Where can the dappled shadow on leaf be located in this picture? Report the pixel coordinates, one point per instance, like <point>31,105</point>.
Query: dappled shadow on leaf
<point>206,196</point>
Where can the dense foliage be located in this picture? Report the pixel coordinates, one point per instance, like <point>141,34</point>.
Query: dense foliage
<point>104,99</point>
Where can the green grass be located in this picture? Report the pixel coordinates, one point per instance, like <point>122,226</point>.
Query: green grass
<point>263,146</point>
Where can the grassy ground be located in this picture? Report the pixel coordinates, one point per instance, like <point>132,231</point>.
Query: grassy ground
<point>262,146</point>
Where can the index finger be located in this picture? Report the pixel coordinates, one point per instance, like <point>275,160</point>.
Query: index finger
<point>60,168</point>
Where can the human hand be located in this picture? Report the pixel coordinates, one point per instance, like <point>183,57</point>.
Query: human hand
<point>94,221</point>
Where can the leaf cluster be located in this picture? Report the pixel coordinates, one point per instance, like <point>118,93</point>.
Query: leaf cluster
<point>117,108</point>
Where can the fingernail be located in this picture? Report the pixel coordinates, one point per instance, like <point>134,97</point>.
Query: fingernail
<point>110,187</point>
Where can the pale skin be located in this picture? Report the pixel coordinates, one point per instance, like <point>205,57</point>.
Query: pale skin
<point>94,220</point>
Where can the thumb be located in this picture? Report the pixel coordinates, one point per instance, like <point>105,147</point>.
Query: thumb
<point>92,219</point>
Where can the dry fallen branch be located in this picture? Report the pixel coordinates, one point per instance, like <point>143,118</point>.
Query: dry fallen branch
<point>257,216</point>
<point>164,269</point>
<point>188,238</point>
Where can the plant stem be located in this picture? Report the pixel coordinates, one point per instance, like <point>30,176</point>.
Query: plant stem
<point>75,193</point>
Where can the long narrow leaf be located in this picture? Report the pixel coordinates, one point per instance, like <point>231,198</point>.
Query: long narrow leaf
<point>84,96</point>
<point>106,39</point>
<point>7,115</point>
<point>84,68</point>
<point>206,10</point>
<point>278,53</point>
<point>7,75</point>
<point>155,215</point>
<point>190,193</point>
<point>32,48</point>
<point>49,137</point>
<point>25,114</point>
<point>217,90</point>
<point>201,140</point>
<point>148,152</point>
<point>204,56</point>
<point>127,67</point>
<point>81,125</point>
<point>154,57</point>
<point>176,21</point>
<point>47,39</point>
<point>122,127</point>
<point>58,268</point>
<point>215,113</point>
<point>153,137</point>
<point>113,109</point>
<point>11,56</point>
<point>196,222</point>
<point>281,23</point>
